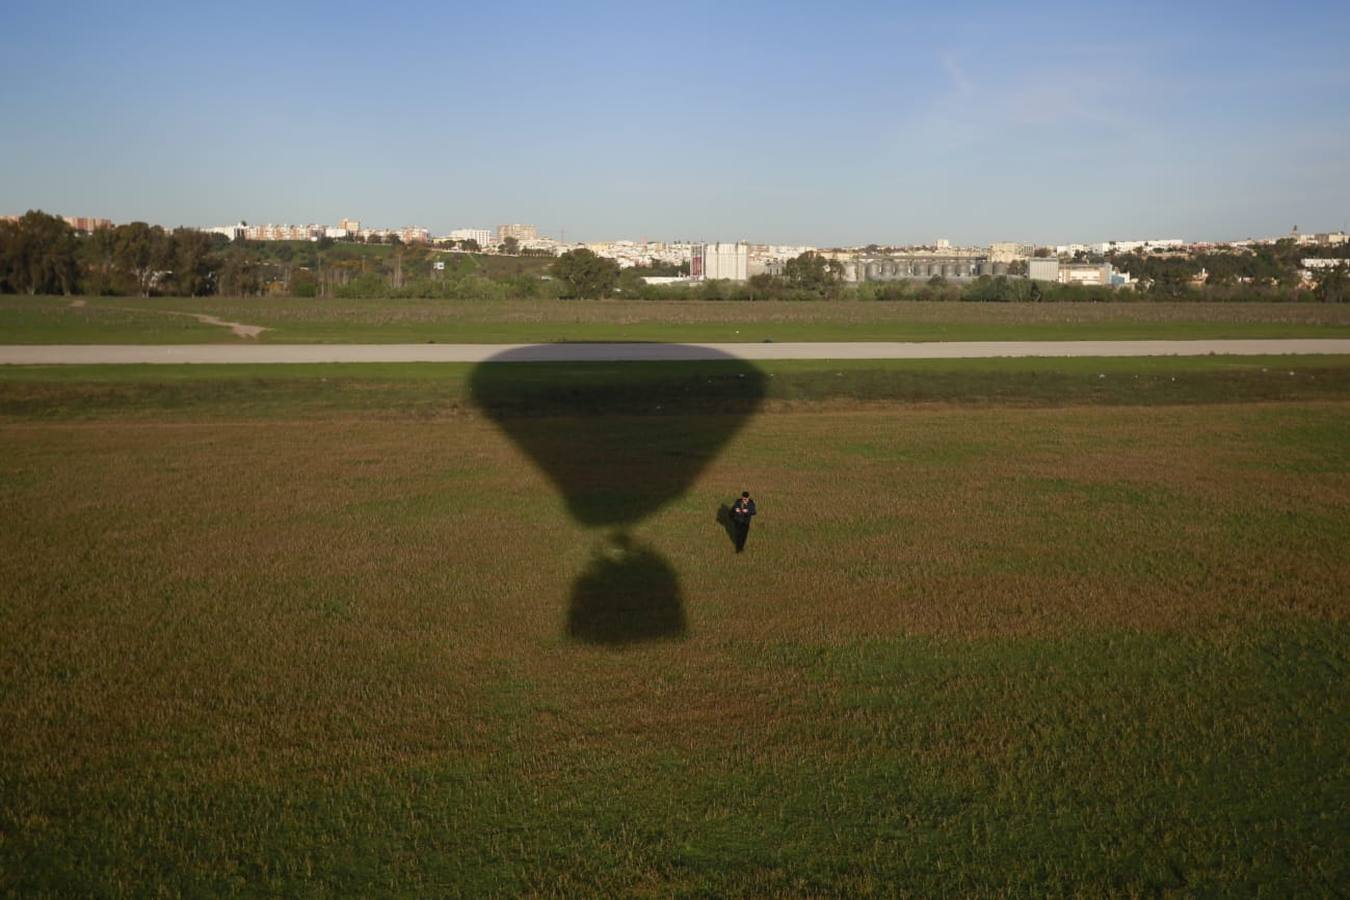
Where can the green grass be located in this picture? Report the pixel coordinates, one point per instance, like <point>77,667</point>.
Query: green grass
<point>52,320</point>
<point>29,320</point>
<point>440,390</point>
<point>266,634</point>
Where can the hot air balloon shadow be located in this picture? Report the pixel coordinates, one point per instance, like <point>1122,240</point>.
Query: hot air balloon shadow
<point>619,441</point>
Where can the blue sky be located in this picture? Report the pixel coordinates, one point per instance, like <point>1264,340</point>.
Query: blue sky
<point>798,123</point>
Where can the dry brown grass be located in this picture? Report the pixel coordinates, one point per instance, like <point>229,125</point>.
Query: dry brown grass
<point>761,313</point>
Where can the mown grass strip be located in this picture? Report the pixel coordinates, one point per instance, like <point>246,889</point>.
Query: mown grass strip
<point>41,320</point>
<point>430,389</point>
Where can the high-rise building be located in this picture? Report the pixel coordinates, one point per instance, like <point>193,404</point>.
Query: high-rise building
<point>270,232</point>
<point>87,223</point>
<point>233,232</point>
<point>720,261</point>
<point>351,226</point>
<point>517,231</point>
<point>482,235</point>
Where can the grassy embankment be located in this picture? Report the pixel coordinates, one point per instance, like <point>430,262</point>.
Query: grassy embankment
<point>28,320</point>
<point>272,633</point>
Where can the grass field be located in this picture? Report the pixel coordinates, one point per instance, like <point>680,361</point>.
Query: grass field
<point>45,320</point>
<point>429,391</point>
<point>1003,626</point>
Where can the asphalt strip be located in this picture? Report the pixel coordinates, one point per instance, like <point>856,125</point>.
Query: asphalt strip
<point>100,354</point>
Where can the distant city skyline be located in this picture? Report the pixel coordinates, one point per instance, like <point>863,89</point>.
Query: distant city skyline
<point>530,236</point>
<point>862,123</point>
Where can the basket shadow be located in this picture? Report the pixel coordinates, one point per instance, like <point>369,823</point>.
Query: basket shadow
<point>627,594</point>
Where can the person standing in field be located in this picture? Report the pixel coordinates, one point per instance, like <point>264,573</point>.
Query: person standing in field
<point>741,512</point>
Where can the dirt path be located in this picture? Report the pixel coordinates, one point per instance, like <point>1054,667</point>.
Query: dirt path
<point>56,354</point>
<point>238,328</point>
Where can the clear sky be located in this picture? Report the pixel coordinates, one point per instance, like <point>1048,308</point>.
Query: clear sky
<point>775,122</point>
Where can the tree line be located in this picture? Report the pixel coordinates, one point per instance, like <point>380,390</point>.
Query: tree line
<point>42,254</point>
<point>1268,271</point>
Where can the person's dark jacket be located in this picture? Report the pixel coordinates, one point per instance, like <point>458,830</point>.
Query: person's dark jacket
<point>743,509</point>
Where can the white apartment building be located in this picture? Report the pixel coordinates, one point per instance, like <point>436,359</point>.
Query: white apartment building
<point>721,260</point>
<point>408,234</point>
<point>629,253</point>
<point>482,235</point>
<point>1135,246</point>
<point>270,232</point>
<point>233,232</point>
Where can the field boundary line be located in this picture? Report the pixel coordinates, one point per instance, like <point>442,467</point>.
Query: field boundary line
<point>99,354</point>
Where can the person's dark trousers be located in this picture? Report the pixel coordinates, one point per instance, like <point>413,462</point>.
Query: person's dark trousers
<point>742,532</point>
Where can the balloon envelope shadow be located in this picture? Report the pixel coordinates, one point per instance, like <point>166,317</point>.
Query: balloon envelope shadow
<point>620,440</point>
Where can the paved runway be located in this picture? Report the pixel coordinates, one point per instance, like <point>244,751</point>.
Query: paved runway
<point>71,354</point>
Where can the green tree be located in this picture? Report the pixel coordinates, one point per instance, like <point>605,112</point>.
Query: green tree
<point>470,245</point>
<point>239,274</point>
<point>137,248</point>
<point>303,283</point>
<point>764,286</point>
<point>1332,285</point>
<point>191,262</point>
<point>1220,270</point>
<point>813,272</point>
<point>631,282</point>
<point>583,274</point>
<point>510,246</point>
<point>38,255</point>
<point>100,254</point>
<point>9,250</point>
<point>998,288</point>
